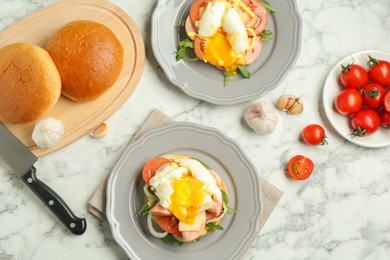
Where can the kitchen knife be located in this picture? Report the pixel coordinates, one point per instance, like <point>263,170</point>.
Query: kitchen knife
<point>21,161</point>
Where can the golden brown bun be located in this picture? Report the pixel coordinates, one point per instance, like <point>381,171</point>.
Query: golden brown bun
<point>30,84</point>
<point>89,58</point>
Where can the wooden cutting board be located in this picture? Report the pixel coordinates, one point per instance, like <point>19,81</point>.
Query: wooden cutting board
<point>80,118</point>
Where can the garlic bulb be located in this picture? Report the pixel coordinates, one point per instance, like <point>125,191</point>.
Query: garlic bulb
<point>47,132</point>
<point>261,117</point>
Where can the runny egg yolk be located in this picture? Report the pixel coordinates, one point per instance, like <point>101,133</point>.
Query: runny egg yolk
<point>218,51</point>
<point>186,199</point>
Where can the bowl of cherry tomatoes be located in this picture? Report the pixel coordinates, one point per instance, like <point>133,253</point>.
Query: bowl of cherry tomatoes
<point>356,98</point>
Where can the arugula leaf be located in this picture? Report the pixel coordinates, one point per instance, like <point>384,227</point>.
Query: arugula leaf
<point>230,210</point>
<point>244,71</point>
<point>145,210</point>
<point>213,227</point>
<point>186,43</point>
<point>203,163</point>
<point>171,239</point>
<point>267,35</point>
<point>227,79</point>
<point>181,23</point>
<point>184,47</point>
<point>225,197</point>
<point>152,192</point>
<point>267,7</point>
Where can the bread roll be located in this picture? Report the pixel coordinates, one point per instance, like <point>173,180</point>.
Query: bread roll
<point>30,84</point>
<point>89,59</point>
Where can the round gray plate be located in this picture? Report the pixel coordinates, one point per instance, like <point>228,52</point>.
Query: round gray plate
<point>203,81</point>
<point>125,196</point>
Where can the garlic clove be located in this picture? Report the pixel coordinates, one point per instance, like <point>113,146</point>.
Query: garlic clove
<point>291,104</point>
<point>100,131</point>
<point>48,132</point>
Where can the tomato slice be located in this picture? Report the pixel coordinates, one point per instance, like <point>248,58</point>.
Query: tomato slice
<point>197,9</point>
<point>386,101</point>
<point>169,224</point>
<point>151,167</point>
<point>199,47</point>
<point>300,167</point>
<point>260,21</point>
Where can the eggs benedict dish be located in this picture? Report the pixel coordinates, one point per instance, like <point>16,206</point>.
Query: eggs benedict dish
<point>227,33</point>
<point>184,197</point>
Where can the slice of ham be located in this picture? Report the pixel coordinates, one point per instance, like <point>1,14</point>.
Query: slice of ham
<point>190,28</point>
<point>252,55</point>
<point>189,236</point>
<point>215,210</point>
<point>158,210</point>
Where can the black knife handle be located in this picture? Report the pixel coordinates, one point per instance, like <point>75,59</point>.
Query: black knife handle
<point>55,203</point>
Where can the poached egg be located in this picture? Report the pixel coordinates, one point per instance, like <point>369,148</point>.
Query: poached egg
<point>186,188</point>
<point>225,34</point>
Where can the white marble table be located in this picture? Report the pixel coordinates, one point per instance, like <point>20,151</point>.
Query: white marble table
<point>341,212</point>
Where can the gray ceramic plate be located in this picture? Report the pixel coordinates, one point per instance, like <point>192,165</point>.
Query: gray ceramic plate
<point>205,82</point>
<point>125,196</point>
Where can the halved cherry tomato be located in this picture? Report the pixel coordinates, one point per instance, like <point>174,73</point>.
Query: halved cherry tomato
<point>169,224</point>
<point>314,135</point>
<point>385,118</point>
<point>353,76</point>
<point>197,9</point>
<point>365,122</point>
<point>373,95</point>
<point>386,101</point>
<point>348,101</point>
<point>379,71</point>
<point>300,167</point>
<point>151,167</point>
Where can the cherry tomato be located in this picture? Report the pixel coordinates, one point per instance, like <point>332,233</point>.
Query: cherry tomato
<point>300,167</point>
<point>365,122</point>
<point>314,135</point>
<point>169,224</point>
<point>353,76</point>
<point>379,71</point>
<point>385,118</point>
<point>373,95</point>
<point>151,167</point>
<point>386,101</point>
<point>197,9</point>
<point>348,101</point>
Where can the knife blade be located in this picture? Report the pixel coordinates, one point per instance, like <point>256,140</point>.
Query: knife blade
<point>21,161</point>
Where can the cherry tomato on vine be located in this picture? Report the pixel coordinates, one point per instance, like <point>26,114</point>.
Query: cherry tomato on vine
<point>300,167</point>
<point>373,95</point>
<point>348,101</point>
<point>365,122</point>
<point>353,76</point>
<point>379,71</point>
<point>314,135</point>
<point>385,118</point>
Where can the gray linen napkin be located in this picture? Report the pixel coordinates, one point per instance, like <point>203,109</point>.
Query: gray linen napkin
<point>97,204</point>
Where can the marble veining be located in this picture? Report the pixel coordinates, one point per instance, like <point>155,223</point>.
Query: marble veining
<point>341,212</point>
